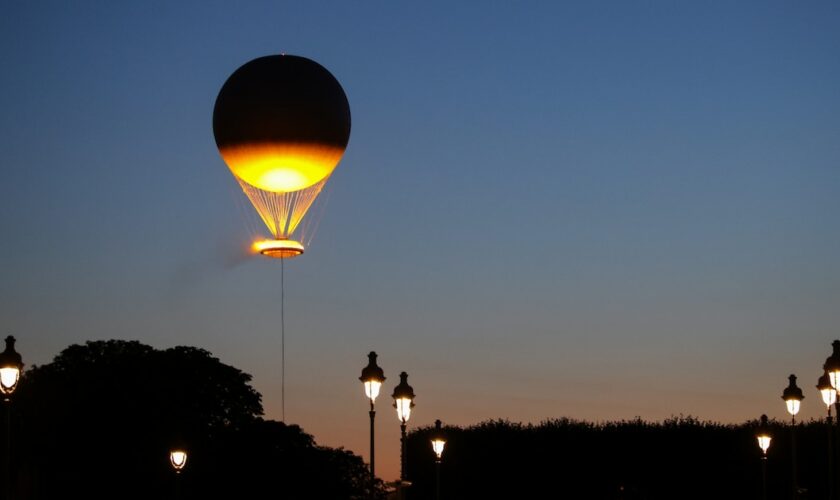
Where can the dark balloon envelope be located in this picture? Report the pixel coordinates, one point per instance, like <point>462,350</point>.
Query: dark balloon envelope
<point>281,124</point>
<point>281,98</point>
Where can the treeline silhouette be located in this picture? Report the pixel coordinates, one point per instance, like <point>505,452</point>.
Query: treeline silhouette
<point>680,458</point>
<point>99,421</point>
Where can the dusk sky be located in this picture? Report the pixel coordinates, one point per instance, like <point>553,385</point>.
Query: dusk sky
<point>597,210</point>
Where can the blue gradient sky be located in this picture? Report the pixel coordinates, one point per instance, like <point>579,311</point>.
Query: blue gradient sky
<point>598,210</point>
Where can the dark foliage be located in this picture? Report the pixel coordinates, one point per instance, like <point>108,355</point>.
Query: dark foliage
<point>681,458</point>
<point>99,421</point>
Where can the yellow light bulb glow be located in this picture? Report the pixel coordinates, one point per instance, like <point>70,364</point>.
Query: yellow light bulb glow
<point>793,406</point>
<point>282,167</point>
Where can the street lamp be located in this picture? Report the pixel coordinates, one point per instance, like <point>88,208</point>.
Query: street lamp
<point>11,364</point>
<point>793,399</point>
<point>832,365</point>
<point>832,368</point>
<point>372,377</point>
<point>178,459</point>
<point>829,397</point>
<point>403,401</point>
<point>764,438</point>
<point>438,442</point>
<point>828,393</point>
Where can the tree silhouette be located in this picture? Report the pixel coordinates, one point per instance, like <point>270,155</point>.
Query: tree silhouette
<point>681,457</point>
<point>99,421</point>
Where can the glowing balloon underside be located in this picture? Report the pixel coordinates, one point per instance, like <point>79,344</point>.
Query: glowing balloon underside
<point>281,167</point>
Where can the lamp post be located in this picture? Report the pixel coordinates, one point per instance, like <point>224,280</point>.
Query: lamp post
<point>372,378</point>
<point>829,397</point>
<point>764,438</point>
<point>178,459</point>
<point>403,401</point>
<point>438,442</point>
<point>832,368</point>
<point>11,365</point>
<point>828,393</point>
<point>793,399</point>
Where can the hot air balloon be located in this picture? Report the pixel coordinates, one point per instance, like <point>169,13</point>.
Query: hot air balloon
<point>281,124</point>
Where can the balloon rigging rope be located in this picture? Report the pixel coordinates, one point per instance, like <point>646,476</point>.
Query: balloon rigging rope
<point>282,342</point>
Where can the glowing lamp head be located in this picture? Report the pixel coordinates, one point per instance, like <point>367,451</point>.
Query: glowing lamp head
<point>832,365</point>
<point>828,393</point>
<point>793,396</point>
<point>278,248</point>
<point>763,435</point>
<point>403,398</point>
<point>372,389</point>
<point>11,365</point>
<point>438,440</point>
<point>178,459</point>
<point>372,377</point>
<point>764,442</point>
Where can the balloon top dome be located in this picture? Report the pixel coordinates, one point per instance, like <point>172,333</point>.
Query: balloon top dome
<point>281,123</point>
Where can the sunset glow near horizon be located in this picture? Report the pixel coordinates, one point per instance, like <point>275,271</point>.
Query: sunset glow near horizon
<point>595,211</point>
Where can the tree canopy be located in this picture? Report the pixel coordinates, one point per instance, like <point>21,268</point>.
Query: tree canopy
<point>100,419</point>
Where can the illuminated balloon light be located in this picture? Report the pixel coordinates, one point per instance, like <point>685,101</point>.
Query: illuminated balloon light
<point>280,249</point>
<point>281,168</point>
<point>281,124</point>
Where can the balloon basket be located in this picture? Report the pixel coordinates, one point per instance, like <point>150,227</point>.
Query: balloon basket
<point>278,249</point>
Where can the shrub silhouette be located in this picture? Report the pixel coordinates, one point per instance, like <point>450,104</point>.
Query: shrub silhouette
<point>680,458</point>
